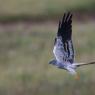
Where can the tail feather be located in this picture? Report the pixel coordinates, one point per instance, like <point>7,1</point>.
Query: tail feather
<point>83,64</point>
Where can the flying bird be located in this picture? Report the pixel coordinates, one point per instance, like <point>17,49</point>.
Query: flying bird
<point>63,47</point>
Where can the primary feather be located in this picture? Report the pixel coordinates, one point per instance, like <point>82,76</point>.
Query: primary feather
<point>63,47</point>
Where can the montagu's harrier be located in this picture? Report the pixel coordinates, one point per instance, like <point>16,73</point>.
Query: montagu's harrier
<point>63,47</point>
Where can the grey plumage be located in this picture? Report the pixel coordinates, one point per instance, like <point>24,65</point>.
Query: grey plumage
<point>63,46</point>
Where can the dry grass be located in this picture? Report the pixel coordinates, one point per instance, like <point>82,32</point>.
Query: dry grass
<point>26,48</point>
<point>43,7</point>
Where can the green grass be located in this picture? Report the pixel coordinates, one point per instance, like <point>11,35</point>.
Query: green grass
<point>36,7</point>
<point>42,9</point>
<point>25,50</point>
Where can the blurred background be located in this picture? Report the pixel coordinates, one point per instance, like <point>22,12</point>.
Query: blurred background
<point>27,31</point>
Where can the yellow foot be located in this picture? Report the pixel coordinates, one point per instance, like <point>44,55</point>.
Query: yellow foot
<point>77,77</point>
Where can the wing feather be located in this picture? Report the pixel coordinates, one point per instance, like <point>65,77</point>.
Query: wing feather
<point>65,27</point>
<point>63,41</point>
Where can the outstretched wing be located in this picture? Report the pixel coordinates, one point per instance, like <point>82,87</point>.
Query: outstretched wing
<point>65,27</point>
<point>63,48</point>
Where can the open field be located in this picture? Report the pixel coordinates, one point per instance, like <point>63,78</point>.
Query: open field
<point>42,9</point>
<point>25,50</point>
<point>26,42</point>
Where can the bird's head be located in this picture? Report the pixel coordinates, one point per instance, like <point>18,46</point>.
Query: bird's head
<point>53,62</point>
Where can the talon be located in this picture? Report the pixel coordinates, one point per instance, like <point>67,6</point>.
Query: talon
<point>77,77</point>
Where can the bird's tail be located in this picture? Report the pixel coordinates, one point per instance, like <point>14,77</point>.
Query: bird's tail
<point>83,64</point>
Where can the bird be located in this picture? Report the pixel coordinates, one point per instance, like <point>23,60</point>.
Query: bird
<point>63,47</point>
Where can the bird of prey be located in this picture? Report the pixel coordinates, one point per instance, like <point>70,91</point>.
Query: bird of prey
<point>63,47</point>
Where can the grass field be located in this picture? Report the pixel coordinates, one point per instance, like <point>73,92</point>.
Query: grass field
<point>25,50</point>
<point>26,47</point>
<point>42,9</point>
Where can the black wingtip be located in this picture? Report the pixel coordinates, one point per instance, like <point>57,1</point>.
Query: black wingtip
<point>65,27</point>
<point>66,17</point>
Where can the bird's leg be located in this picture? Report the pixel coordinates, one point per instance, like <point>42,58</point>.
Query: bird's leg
<point>73,72</point>
<point>77,76</point>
